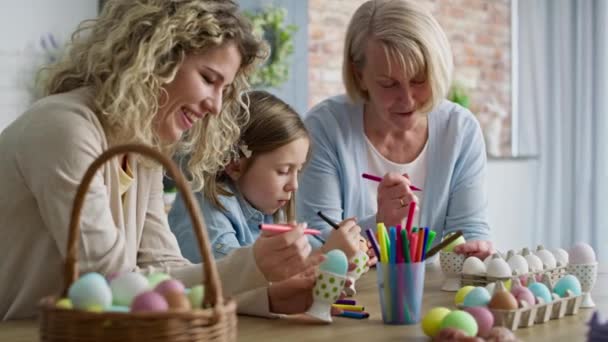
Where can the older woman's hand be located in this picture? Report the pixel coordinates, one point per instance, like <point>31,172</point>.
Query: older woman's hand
<point>394,197</point>
<point>478,248</point>
<point>280,256</point>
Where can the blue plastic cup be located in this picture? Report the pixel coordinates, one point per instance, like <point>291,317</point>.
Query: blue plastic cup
<point>401,287</point>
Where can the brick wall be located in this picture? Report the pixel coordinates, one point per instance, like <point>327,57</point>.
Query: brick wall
<point>480,35</point>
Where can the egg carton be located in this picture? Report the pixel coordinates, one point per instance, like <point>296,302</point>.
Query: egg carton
<point>554,275</point>
<point>528,315</point>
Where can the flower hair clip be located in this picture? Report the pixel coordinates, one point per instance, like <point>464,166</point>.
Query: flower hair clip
<point>245,150</point>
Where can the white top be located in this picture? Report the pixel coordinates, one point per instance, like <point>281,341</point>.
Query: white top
<point>378,165</point>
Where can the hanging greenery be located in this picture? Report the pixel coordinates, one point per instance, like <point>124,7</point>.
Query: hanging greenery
<point>459,94</point>
<point>270,24</point>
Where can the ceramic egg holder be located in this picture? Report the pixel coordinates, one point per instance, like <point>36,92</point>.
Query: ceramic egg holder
<point>328,286</point>
<point>554,273</point>
<point>587,274</point>
<point>360,260</point>
<point>451,265</point>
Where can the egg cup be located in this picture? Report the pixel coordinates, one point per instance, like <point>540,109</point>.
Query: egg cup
<point>451,265</point>
<point>360,260</point>
<point>326,291</point>
<point>586,274</point>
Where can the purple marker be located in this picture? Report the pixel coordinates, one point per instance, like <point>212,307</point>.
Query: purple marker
<point>346,302</point>
<point>372,239</point>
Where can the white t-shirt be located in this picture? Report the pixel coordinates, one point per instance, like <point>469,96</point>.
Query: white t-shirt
<point>378,165</point>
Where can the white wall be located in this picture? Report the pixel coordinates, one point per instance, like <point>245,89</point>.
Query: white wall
<point>22,24</point>
<point>510,208</point>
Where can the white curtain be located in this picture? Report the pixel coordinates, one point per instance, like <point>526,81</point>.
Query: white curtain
<point>563,118</point>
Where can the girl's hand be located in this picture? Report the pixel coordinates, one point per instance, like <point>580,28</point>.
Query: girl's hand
<point>394,197</point>
<point>478,248</point>
<point>280,256</point>
<point>345,238</point>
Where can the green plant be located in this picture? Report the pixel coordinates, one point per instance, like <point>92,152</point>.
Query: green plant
<point>270,24</point>
<point>459,94</point>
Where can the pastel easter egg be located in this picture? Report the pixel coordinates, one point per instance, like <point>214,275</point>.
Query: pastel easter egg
<point>484,318</point>
<point>170,285</point>
<point>177,300</point>
<point>64,303</point>
<point>156,277</point>
<point>568,282</point>
<point>523,294</point>
<point>149,301</point>
<point>540,290</point>
<point>195,296</point>
<point>461,320</point>
<point>118,308</point>
<point>126,286</point>
<point>479,296</point>
<point>90,290</point>
<point>450,247</point>
<point>335,262</point>
<point>581,254</point>
<point>462,293</point>
<point>432,321</point>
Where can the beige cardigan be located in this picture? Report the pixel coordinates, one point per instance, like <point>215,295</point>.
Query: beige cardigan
<point>43,156</point>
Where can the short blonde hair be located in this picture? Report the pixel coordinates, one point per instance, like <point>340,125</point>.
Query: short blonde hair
<point>408,32</point>
<point>273,124</point>
<point>134,48</point>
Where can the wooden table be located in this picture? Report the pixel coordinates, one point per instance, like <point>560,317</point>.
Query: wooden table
<point>569,328</point>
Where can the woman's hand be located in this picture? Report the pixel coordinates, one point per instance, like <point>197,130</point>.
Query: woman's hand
<point>394,197</point>
<point>345,238</point>
<point>373,259</point>
<point>280,256</point>
<point>478,248</point>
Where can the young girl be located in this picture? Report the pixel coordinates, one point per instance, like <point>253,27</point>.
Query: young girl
<point>259,187</point>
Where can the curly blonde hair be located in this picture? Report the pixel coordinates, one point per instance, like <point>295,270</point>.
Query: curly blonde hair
<point>135,47</point>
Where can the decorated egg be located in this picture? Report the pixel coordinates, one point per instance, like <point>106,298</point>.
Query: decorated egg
<point>432,321</point>
<point>518,264</point>
<point>156,277</point>
<point>335,262</point>
<point>478,296</point>
<point>473,265</point>
<point>546,257</point>
<point>540,290</point>
<point>177,300</point>
<point>461,320</point>
<point>484,318</point>
<point>567,283</point>
<point>561,256</point>
<point>170,285</point>
<point>498,268</point>
<point>64,303</point>
<point>581,254</point>
<point>522,293</point>
<point>195,296</point>
<point>149,301</point>
<point>462,292</point>
<point>90,290</point>
<point>126,286</point>
<point>450,247</point>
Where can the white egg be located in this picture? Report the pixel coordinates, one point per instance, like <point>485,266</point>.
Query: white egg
<point>534,263</point>
<point>498,268</point>
<point>473,265</point>
<point>561,256</point>
<point>547,258</point>
<point>490,257</point>
<point>581,254</point>
<point>127,286</point>
<point>518,264</point>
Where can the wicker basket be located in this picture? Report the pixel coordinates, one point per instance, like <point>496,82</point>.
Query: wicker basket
<point>216,322</point>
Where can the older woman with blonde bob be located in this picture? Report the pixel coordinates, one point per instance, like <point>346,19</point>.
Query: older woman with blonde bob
<point>395,122</point>
<point>164,73</point>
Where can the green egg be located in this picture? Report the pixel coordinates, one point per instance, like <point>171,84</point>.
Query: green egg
<point>460,320</point>
<point>195,296</point>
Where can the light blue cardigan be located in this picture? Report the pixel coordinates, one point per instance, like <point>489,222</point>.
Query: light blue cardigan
<point>454,191</point>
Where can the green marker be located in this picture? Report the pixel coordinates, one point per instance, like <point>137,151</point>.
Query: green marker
<point>405,246</point>
<point>432,234</point>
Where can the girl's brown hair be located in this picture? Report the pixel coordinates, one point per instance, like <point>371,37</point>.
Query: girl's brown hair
<point>272,124</point>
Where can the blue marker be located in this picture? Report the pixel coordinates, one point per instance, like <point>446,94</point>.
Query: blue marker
<point>354,314</point>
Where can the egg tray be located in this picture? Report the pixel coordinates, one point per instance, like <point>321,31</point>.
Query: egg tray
<point>480,280</point>
<point>528,315</point>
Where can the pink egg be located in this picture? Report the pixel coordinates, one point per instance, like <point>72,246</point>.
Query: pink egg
<point>149,301</point>
<point>523,280</point>
<point>169,285</point>
<point>484,318</point>
<point>581,253</point>
<point>523,293</point>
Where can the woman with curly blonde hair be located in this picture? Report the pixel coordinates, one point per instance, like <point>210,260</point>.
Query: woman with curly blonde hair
<point>165,73</point>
